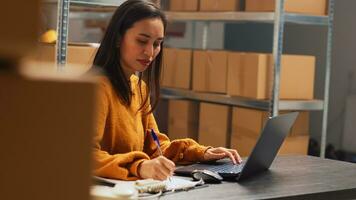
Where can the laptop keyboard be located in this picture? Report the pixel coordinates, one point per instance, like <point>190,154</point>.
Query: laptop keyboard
<point>223,168</point>
<point>226,168</point>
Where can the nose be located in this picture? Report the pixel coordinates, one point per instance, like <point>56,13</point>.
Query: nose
<point>148,51</point>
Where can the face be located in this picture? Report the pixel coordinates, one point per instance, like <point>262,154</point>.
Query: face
<point>140,45</point>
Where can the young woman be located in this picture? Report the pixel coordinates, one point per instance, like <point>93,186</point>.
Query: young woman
<point>124,149</point>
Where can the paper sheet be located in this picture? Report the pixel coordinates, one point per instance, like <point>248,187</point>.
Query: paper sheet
<point>172,184</point>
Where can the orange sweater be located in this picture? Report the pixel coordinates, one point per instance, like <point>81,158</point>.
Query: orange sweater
<point>121,142</point>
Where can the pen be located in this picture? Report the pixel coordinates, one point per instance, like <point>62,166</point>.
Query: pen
<point>155,138</point>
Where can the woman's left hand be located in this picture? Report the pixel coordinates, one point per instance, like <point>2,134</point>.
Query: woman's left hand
<point>221,152</point>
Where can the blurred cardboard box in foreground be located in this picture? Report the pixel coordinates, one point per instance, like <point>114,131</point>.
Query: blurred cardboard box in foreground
<point>47,122</point>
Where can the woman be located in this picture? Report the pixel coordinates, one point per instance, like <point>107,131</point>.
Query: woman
<point>123,149</point>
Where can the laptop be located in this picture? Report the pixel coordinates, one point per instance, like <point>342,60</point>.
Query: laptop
<point>273,134</point>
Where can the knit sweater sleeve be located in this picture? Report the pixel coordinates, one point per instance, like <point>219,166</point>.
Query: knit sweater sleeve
<point>118,166</point>
<point>181,151</point>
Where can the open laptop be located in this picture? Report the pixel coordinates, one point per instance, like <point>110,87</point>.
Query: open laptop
<point>273,134</point>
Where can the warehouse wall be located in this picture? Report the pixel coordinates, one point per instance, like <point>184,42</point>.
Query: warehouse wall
<point>344,90</point>
<point>215,36</point>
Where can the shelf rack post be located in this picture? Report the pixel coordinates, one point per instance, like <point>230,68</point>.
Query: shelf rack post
<point>327,78</point>
<point>194,32</point>
<point>277,54</point>
<point>62,30</point>
<point>205,38</point>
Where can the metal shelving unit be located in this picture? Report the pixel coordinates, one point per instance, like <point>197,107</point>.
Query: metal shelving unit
<point>313,105</point>
<point>278,18</point>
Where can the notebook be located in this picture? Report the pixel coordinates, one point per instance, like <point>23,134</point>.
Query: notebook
<point>271,138</point>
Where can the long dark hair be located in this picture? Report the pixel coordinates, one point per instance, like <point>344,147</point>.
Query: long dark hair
<point>108,54</point>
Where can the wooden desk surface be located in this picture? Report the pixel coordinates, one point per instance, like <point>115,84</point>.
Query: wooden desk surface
<point>290,177</point>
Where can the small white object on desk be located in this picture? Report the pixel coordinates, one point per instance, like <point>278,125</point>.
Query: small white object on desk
<point>121,191</point>
<point>176,184</point>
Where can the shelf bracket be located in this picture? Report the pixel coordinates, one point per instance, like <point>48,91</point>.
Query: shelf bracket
<point>205,38</point>
<point>62,30</point>
<point>327,79</point>
<point>277,54</point>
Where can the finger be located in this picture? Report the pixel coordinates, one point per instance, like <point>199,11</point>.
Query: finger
<point>163,169</point>
<point>167,171</point>
<point>232,158</point>
<point>161,172</point>
<point>236,155</point>
<point>167,163</point>
<point>226,153</point>
<point>159,175</point>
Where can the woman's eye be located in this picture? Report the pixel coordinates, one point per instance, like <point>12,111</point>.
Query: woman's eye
<point>156,44</point>
<point>142,41</point>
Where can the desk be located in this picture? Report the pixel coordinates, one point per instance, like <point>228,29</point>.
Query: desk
<point>290,177</point>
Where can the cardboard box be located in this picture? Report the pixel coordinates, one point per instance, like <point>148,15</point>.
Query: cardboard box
<point>183,119</point>
<point>76,54</point>
<point>161,114</point>
<point>219,5</point>
<point>183,5</point>
<point>296,145</point>
<point>311,7</point>
<point>214,125</point>
<point>177,67</point>
<point>250,75</point>
<point>241,79</point>
<point>19,28</point>
<point>301,124</point>
<point>210,71</point>
<point>46,125</point>
<point>247,125</point>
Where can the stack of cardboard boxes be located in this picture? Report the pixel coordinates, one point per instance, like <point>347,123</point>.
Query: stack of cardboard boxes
<point>310,7</point>
<point>235,74</point>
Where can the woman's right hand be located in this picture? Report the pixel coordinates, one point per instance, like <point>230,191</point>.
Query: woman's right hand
<point>159,168</point>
